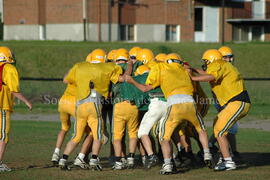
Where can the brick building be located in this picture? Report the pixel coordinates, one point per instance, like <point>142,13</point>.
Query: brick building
<point>137,20</point>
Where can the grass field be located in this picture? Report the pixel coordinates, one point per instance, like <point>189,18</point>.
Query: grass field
<point>33,142</point>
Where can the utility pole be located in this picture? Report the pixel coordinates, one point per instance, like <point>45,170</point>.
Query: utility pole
<point>110,20</point>
<point>84,19</point>
<point>99,20</point>
<point>223,22</point>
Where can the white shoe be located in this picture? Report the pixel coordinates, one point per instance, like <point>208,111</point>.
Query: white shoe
<point>55,158</point>
<point>225,165</point>
<point>166,169</point>
<point>63,164</point>
<point>4,168</point>
<point>124,161</point>
<point>118,166</point>
<point>208,159</point>
<point>144,158</point>
<point>94,164</point>
<point>80,163</point>
<point>130,162</point>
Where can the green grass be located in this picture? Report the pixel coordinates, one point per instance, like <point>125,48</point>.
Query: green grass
<point>32,143</point>
<point>53,59</point>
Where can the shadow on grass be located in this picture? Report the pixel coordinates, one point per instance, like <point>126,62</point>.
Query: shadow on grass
<point>256,159</point>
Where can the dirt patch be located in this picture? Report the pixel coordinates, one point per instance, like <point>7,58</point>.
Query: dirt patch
<point>252,124</point>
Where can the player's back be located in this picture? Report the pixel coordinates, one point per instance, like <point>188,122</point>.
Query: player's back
<point>98,73</point>
<point>175,79</point>
<point>228,83</point>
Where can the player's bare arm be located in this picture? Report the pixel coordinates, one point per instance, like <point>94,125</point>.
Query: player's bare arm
<point>142,87</point>
<point>129,68</point>
<point>199,71</point>
<point>202,77</point>
<point>21,97</point>
<point>64,79</point>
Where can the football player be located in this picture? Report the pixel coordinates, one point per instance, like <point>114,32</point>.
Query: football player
<point>92,82</point>
<point>125,113</point>
<point>228,86</point>
<point>178,90</point>
<point>66,108</point>
<point>9,88</point>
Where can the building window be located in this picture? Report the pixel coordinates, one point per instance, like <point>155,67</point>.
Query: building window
<point>198,19</point>
<point>126,32</point>
<point>240,33</point>
<point>172,33</point>
<point>248,33</point>
<point>257,33</point>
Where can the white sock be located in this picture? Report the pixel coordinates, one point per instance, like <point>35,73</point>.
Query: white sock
<point>206,150</point>
<point>228,159</point>
<point>81,156</point>
<point>57,151</point>
<point>167,161</point>
<point>179,147</point>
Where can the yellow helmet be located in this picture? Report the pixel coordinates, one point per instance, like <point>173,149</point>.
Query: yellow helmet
<point>161,57</point>
<point>145,56</point>
<point>111,55</point>
<point>174,58</point>
<point>88,58</point>
<point>134,51</point>
<point>141,70</point>
<point>225,51</point>
<point>98,56</point>
<point>211,55</point>
<point>121,55</point>
<point>6,55</point>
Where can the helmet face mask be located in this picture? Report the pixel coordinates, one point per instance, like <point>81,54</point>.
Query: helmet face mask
<point>6,55</point>
<point>228,58</point>
<point>169,61</point>
<point>205,63</point>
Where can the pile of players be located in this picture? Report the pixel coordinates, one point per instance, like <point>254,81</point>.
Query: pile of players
<point>137,93</point>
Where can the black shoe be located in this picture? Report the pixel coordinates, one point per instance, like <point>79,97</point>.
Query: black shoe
<point>214,150</point>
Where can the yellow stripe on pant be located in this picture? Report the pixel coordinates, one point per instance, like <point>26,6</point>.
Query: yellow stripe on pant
<point>125,114</point>
<point>227,117</point>
<point>177,113</point>
<point>88,115</point>
<point>4,125</point>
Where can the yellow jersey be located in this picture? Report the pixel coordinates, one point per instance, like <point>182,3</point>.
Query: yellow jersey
<point>70,90</point>
<point>81,74</point>
<point>173,79</point>
<point>151,64</point>
<point>228,81</point>
<point>11,81</point>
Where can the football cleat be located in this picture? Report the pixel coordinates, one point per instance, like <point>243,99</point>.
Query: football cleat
<point>151,161</point>
<point>225,165</point>
<point>118,166</point>
<point>55,158</point>
<point>167,169</point>
<point>144,161</point>
<point>63,165</point>
<point>208,160</point>
<point>80,163</point>
<point>130,162</point>
<point>94,165</point>
<point>4,168</point>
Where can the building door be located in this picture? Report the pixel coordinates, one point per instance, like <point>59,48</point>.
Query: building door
<point>206,24</point>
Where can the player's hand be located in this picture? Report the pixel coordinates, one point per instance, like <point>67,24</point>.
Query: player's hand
<point>129,79</point>
<point>29,105</point>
